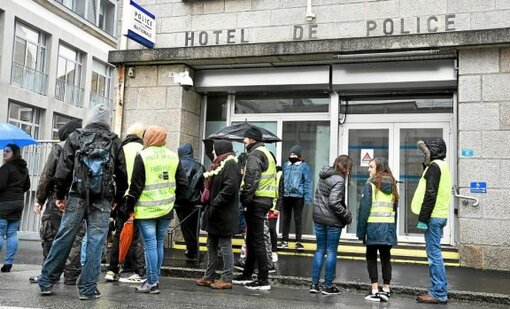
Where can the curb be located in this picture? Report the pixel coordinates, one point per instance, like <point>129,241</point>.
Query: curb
<point>182,272</point>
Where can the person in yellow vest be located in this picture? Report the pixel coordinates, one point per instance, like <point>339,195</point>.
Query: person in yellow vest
<point>377,227</point>
<point>257,194</point>
<point>431,202</point>
<point>132,145</point>
<point>158,180</point>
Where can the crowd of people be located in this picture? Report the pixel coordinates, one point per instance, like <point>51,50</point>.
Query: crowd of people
<point>92,176</point>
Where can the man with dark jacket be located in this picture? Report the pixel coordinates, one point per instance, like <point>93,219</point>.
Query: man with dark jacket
<point>431,202</point>
<point>186,211</point>
<point>50,220</point>
<point>85,200</point>
<point>257,194</point>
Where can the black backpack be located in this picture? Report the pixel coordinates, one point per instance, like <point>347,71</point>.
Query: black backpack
<point>195,185</point>
<point>94,165</point>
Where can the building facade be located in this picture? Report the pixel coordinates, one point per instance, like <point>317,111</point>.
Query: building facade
<point>359,77</point>
<point>54,67</point>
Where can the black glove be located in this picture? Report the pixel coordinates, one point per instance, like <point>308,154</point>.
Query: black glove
<point>127,206</point>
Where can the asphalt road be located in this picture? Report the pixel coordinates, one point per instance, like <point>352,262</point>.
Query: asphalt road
<point>17,292</point>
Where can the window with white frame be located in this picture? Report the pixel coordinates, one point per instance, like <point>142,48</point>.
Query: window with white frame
<point>58,122</point>
<point>68,87</point>
<point>100,87</point>
<point>25,117</point>
<point>28,64</point>
<point>99,12</point>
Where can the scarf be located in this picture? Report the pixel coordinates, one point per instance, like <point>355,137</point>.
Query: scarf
<point>214,169</point>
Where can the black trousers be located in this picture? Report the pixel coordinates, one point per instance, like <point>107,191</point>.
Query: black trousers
<point>255,215</point>
<point>273,234</point>
<point>385,255</point>
<point>135,259</point>
<point>189,227</point>
<point>290,204</point>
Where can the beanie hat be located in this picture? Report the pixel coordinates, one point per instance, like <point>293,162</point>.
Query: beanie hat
<point>297,150</point>
<point>221,147</point>
<point>137,129</point>
<point>253,133</point>
<point>99,114</point>
<point>68,128</point>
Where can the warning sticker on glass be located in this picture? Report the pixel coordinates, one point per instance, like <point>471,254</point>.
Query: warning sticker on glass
<point>366,156</point>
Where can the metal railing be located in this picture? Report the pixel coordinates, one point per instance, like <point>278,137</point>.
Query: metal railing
<point>69,93</point>
<point>96,99</point>
<point>28,78</point>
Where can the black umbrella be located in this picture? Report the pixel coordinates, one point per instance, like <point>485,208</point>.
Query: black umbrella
<point>235,133</point>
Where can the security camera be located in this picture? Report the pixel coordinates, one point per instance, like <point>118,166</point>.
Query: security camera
<point>185,81</point>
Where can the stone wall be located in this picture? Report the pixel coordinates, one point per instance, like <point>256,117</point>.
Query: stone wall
<point>217,22</point>
<point>484,123</point>
<point>153,97</point>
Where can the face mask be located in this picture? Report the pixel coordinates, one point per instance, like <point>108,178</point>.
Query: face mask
<point>293,159</point>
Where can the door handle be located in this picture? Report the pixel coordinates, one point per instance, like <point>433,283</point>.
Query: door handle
<point>467,200</point>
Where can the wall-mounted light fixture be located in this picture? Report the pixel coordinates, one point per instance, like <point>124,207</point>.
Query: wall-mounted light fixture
<point>310,16</point>
<point>182,79</point>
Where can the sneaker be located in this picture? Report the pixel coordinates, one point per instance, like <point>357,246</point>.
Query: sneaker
<point>383,292</point>
<point>91,297</point>
<point>257,285</point>
<point>315,288</point>
<point>375,297</point>
<point>239,265</point>
<point>274,257</point>
<point>282,245</point>
<point>241,279</point>
<point>135,278</point>
<point>332,290</point>
<point>46,292</point>
<point>111,276</point>
<point>271,269</point>
<point>299,247</point>
<point>148,288</point>
<point>34,279</point>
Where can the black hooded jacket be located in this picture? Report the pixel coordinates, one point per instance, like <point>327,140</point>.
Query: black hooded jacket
<point>437,149</point>
<point>256,164</point>
<point>14,182</point>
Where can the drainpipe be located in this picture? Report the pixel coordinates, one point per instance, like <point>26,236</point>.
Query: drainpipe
<point>119,99</point>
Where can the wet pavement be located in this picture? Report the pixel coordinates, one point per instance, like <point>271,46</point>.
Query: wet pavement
<point>16,291</point>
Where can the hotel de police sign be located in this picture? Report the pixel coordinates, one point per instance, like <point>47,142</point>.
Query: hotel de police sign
<point>311,31</point>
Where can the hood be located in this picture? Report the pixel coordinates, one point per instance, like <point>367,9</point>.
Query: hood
<point>137,129</point>
<point>68,128</point>
<point>132,138</point>
<point>154,136</point>
<point>185,152</point>
<point>20,164</point>
<point>297,150</point>
<point>386,184</point>
<point>327,171</point>
<point>433,148</point>
<point>99,114</point>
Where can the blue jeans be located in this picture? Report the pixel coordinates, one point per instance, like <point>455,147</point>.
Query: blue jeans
<point>153,232</point>
<point>437,271</point>
<point>97,225</point>
<point>327,243</point>
<point>9,230</point>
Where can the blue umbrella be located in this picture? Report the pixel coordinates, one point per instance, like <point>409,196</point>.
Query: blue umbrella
<point>10,134</point>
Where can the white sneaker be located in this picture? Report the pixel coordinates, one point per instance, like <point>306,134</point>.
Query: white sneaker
<point>111,276</point>
<point>274,257</point>
<point>132,279</point>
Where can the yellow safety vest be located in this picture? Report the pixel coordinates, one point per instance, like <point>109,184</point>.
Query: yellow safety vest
<point>130,152</point>
<point>382,210</point>
<point>278,177</point>
<point>267,185</point>
<point>444,192</point>
<point>158,195</point>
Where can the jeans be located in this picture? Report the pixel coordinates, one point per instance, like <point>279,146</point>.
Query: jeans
<point>9,230</point>
<point>437,271</point>
<point>290,204</point>
<point>153,232</point>
<point>327,243</point>
<point>224,243</point>
<point>96,216</point>
<point>255,241</point>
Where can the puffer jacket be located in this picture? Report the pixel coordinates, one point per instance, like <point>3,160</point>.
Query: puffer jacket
<point>298,180</point>
<point>329,204</point>
<point>375,233</point>
<point>14,182</point>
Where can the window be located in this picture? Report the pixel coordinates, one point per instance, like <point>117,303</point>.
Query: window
<point>399,105</point>
<point>100,89</point>
<point>99,12</point>
<point>26,118</point>
<point>58,122</point>
<point>29,59</point>
<point>106,17</point>
<point>282,103</point>
<point>69,76</point>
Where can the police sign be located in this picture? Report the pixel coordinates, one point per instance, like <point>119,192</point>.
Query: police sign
<point>139,24</point>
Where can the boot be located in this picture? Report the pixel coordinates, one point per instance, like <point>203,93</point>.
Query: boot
<point>221,285</point>
<point>6,268</point>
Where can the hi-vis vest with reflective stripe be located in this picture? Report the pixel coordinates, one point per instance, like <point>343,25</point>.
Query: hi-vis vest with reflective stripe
<point>158,195</point>
<point>130,152</point>
<point>444,192</point>
<point>267,185</point>
<point>382,210</point>
<point>278,177</point>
